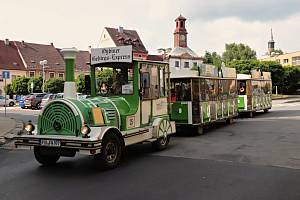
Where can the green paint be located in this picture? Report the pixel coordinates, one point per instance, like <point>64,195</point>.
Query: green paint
<point>179,112</point>
<point>241,103</point>
<point>70,73</point>
<point>93,81</point>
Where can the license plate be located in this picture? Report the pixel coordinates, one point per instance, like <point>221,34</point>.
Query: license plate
<point>50,143</point>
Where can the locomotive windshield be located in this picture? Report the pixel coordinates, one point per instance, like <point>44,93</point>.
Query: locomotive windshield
<point>116,80</point>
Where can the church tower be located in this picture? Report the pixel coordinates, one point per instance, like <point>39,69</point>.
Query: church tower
<point>271,44</point>
<point>180,32</point>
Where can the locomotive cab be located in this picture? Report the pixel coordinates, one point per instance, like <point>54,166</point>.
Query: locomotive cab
<point>129,106</point>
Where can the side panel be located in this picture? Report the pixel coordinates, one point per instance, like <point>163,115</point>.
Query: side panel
<point>179,112</point>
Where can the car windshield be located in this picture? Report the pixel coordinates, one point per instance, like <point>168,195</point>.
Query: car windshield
<point>47,96</point>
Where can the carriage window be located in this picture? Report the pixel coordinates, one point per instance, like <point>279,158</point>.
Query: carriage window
<point>181,90</point>
<point>223,89</point>
<point>150,81</point>
<point>204,90</point>
<point>242,88</point>
<point>162,82</point>
<point>212,89</point>
<point>196,90</point>
<point>232,88</point>
<point>115,80</point>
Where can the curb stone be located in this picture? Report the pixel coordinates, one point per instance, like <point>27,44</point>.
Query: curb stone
<point>7,138</point>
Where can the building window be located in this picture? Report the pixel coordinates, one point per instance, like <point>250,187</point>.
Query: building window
<point>51,74</point>
<point>31,74</point>
<point>61,75</point>
<point>285,61</point>
<point>176,63</point>
<point>186,64</point>
<point>296,61</point>
<point>41,74</point>
<point>181,24</point>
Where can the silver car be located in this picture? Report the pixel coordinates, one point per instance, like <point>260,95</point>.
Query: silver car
<point>9,102</point>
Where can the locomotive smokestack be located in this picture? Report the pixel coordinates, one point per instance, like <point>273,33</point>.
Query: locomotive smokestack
<point>69,55</point>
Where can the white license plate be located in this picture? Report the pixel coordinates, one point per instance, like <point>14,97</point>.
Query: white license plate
<point>50,143</point>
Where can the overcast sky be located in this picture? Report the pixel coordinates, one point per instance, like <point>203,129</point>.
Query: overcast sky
<point>210,24</point>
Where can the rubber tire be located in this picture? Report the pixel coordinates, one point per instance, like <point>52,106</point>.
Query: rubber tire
<point>23,107</point>
<point>45,160</point>
<point>229,121</point>
<point>251,114</point>
<point>266,110</point>
<point>159,146</point>
<point>199,130</point>
<point>11,104</point>
<point>102,157</point>
<point>38,106</point>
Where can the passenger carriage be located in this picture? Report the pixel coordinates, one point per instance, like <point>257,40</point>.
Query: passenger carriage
<point>203,97</point>
<point>255,92</point>
<point>133,109</point>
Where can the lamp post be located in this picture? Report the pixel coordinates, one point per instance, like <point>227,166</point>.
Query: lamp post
<point>43,63</point>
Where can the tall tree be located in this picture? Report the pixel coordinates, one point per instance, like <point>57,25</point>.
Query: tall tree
<point>37,84</point>
<point>240,51</point>
<point>54,85</point>
<point>20,86</point>
<point>212,58</point>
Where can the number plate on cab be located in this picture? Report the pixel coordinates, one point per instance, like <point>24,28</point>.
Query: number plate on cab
<point>50,143</point>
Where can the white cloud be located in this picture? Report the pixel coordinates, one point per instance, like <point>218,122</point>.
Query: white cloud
<point>210,24</point>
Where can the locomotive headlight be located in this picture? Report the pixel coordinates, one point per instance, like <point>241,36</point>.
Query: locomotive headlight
<point>29,127</point>
<point>85,130</point>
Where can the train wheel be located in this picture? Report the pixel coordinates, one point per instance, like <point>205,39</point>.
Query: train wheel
<point>111,152</point>
<point>44,158</point>
<point>266,110</point>
<point>162,132</point>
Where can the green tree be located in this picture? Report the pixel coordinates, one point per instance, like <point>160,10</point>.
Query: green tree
<point>80,83</point>
<point>54,85</point>
<point>240,51</point>
<point>20,85</point>
<point>9,90</point>
<point>278,51</point>
<point>104,76</point>
<point>291,80</point>
<point>212,58</point>
<point>37,84</point>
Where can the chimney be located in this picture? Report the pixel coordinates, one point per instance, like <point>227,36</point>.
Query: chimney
<point>6,42</point>
<point>69,55</point>
<point>121,29</point>
<point>23,43</point>
<point>52,44</point>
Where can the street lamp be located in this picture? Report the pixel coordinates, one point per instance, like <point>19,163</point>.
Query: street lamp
<point>43,63</point>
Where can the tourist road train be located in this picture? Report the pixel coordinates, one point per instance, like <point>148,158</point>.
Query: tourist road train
<point>142,101</point>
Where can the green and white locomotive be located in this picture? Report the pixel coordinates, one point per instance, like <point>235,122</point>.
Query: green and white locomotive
<point>255,92</point>
<point>133,109</point>
<point>203,97</point>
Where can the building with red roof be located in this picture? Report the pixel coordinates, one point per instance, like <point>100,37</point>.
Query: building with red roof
<point>10,60</point>
<point>114,37</point>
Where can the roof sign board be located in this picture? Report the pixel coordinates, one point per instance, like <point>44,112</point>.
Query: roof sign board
<point>228,72</point>
<point>121,54</point>
<point>5,74</point>
<point>208,70</point>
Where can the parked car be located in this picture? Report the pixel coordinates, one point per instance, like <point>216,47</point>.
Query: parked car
<point>22,101</point>
<point>9,102</point>
<point>47,98</point>
<point>34,100</point>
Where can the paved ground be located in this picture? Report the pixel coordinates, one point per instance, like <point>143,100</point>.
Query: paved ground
<point>255,158</point>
